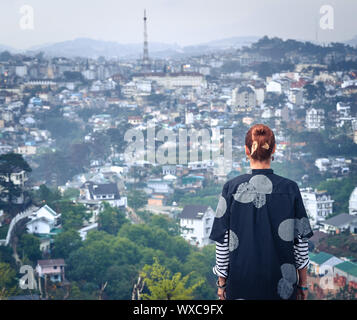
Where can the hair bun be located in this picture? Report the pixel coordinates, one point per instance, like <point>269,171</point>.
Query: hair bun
<point>260,132</point>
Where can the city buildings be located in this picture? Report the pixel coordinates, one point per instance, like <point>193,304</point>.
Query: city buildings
<point>338,223</point>
<point>352,204</point>
<point>108,192</point>
<point>196,224</point>
<point>243,97</point>
<point>54,269</point>
<point>315,119</point>
<point>318,204</point>
<point>173,80</point>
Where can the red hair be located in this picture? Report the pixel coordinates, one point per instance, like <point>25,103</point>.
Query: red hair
<point>262,134</point>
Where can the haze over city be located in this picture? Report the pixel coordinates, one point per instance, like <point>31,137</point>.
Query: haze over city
<point>182,22</point>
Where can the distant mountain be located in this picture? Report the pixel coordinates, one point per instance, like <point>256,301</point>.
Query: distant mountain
<point>6,48</point>
<point>352,42</point>
<point>85,47</point>
<point>96,48</point>
<point>233,42</point>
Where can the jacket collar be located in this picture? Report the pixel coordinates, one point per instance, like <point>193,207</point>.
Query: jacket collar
<point>262,171</point>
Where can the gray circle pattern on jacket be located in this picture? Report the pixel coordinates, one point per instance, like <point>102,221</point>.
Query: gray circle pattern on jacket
<point>221,207</point>
<point>233,241</point>
<point>285,284</point>
<point>254,191</point>
<point>302,226</point>
<point>286,230</point>
<point>289,229</point>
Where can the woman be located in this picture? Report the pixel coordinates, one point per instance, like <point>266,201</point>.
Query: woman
<point>261,230</point>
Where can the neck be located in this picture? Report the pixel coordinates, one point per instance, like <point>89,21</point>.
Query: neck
<point>259,165</point>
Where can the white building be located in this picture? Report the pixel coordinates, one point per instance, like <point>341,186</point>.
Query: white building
<point>322,164</point>
<point>129,89</point>
<point>1,217</point>
<point>259,94</point>
<point>26,150</point>
<point>244,97</point>
<point>323,262</point>
<point>346,269</point>
<point>89,74</point>
<point>169,169</point>
<point>274,86</point>
<point>160,186</point>
<point>21,71</point>
<point>343,109</point>
<point>42,221</point>
<point>144,86</point>
<point>315,119</point>
<point>189,118</point>
<point>174,80</point>
<point>107,192</point>
<point>338,224</point>
<point>18,177</point>
<point>196,223</point>
<point>318,204</point>
<point>267,113</point>
<point>352,205</point>
<point>200,165</point>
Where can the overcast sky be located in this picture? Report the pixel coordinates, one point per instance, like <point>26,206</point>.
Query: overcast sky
<point>183,22</point>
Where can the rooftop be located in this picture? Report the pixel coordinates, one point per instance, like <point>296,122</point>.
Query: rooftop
<point>348,267</point>
<point>340,220</point>
<point>320,257</point>
<point>103,189</point>
<point>51,262</point>
<point>192,211</point>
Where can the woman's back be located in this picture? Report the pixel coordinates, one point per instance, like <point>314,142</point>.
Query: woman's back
<point>263,215</point>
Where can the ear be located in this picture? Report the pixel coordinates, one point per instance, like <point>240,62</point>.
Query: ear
<point>247,150</point>
<point>273,149</point>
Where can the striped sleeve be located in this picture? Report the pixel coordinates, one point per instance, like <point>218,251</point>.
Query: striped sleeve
<point>301,253</point>
<point>222,258</point>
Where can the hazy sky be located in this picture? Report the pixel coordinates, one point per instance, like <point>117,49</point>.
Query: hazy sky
<point>173,21</point>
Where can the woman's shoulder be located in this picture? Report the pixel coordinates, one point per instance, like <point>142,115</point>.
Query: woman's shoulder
<point>286,185</point>
<point>232,183</point>
<point>280,183</point>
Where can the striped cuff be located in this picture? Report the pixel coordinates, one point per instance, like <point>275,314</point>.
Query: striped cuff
<point>301,253</point>
<point>222,258</point>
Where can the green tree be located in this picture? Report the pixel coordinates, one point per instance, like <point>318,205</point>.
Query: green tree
<point>200,263</point>
<point>73,76</point>
<point>7,275</point>
<point>121,279</point>
<point>310,92</point>
<point>111,219</point>
<point>65,243</point>
<point>72,215</point>
<point>346,293</point>
<point>165,223</point>
<point>163,286</point>
<point>137,199</point>
<point>61,129</point>
<point>29,246</point>
<point>71,194</point>
<point>104,259</point>
<point>45,195</point>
